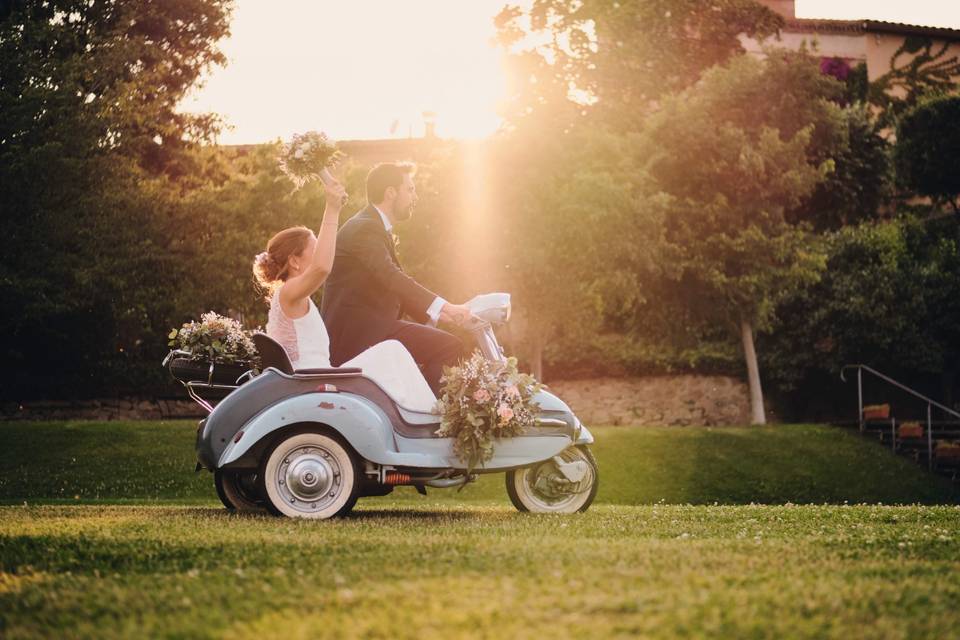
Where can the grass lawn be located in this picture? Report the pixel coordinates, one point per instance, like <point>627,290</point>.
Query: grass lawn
<point>438,570</point>
<point>154,461</point>
<point>148,552</point>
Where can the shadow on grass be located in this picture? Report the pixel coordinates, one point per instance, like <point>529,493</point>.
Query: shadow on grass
<point>418,514</point>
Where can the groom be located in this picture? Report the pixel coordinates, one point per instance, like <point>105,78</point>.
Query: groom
<point>367,292</point>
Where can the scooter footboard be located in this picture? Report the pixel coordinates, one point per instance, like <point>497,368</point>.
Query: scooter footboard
<point>508,453</point>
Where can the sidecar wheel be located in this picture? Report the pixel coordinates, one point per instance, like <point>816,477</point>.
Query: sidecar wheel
<point>541,488</point>
<point>237,490</point>
<point>309,475</point>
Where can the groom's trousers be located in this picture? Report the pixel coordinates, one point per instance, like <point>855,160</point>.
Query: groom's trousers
<point>431,348</point>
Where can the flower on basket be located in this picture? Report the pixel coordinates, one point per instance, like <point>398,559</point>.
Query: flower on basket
<point>482,401</point>
<point>215,338</point>
<point>307,156</point>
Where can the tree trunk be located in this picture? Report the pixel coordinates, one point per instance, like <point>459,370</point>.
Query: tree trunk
<point>757,415</point>
<point>536,356</point>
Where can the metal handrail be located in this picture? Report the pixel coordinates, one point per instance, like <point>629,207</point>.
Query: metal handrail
<point>897,384</point>
<point>930,404</point>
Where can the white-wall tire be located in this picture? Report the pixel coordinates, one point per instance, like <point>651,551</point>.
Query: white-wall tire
<point>309,475</point>
<point>540,488</point>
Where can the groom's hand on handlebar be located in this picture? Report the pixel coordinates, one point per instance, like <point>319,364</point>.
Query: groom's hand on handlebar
<point>455,313</point>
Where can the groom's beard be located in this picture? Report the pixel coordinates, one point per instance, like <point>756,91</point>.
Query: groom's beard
<point>404,214</point>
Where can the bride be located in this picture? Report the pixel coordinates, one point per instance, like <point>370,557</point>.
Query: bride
<point>294,266</point>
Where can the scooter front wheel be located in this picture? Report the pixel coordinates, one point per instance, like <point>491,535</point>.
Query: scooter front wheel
<point>309,475</point>
<point>237,490</point>
<point>543,488</point>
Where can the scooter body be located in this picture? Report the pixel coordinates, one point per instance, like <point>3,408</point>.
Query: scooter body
<point>293,441</point>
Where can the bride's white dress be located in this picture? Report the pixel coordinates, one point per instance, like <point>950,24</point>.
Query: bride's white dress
<point>388,363</point>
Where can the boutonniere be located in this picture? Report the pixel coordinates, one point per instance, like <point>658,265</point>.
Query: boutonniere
<point>396,244</point>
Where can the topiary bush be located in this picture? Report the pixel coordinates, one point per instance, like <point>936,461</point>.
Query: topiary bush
<point>927,152</point>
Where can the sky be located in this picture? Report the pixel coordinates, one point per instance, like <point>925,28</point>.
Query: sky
<point>370,68</point>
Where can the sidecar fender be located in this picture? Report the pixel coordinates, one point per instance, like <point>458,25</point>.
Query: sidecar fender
<point>360,422</point>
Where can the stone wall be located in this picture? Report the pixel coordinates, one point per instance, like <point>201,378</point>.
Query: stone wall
<point>657,400</point>
<point>652,400</point>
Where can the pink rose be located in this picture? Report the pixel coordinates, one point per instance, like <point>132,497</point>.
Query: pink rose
<point>481,395</point>
<point>505,413</point>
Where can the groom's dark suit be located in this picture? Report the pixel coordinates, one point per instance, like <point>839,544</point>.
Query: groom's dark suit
<point>367,293</point>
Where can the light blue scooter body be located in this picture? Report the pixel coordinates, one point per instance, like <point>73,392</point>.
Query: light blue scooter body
<point>366,427</point>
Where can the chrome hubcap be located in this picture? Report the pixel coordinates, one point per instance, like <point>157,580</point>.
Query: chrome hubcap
<point>545,484</point>
<point>309,478</point>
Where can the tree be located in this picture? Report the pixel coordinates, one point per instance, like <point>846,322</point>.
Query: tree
<point>731,156</point>
<point>93,162</point>
<point>927,151</point>
<point>861,179</point>
<point>619,58</point>
<point>889,298</point>
<point>578,241</point>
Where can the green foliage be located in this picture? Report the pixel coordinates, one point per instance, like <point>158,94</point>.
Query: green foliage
<point>861,177</point>
<point>620,57</point>
<point>888,298</point>
<point>730,158</point>
<point>927,152</point>
<point>93,161</point>
<point>483,401</point>
<point>107,76</point>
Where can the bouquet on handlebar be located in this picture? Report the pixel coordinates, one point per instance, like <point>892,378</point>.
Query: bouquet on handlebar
<point>484,400</point>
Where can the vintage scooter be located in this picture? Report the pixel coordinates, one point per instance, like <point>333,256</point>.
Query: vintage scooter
<point>309,443</point>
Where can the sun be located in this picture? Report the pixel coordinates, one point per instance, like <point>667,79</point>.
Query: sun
<point>359,69</point>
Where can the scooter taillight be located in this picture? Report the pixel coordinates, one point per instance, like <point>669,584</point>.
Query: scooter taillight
<point>395,477</point>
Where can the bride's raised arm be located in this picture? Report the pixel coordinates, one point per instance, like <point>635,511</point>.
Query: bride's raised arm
<point>307,278</point>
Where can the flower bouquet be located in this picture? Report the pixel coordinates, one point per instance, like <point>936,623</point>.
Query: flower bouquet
<point>219,349</point>
<point>482,401</point>
<point>307,156</point>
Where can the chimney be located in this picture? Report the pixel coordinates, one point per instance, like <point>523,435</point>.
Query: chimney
<point>786,8</point>
<point>430,124</point>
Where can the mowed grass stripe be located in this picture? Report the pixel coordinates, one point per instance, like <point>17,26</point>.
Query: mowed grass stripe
<point>442,570</point>
<point>133,462</point>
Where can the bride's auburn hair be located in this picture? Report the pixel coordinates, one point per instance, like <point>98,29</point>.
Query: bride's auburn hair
<point>272,266</point>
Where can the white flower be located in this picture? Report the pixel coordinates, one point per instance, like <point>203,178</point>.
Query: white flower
<point>298,154</point>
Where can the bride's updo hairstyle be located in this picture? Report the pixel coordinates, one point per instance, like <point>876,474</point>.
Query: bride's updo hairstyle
<point>271,267</point>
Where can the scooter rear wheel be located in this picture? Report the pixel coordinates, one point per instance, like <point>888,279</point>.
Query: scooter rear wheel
<point>237,490</point>
<point>309,475</point>
<point>541,488</point>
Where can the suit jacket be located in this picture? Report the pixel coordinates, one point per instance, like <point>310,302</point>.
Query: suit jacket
<point>367,292</point>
